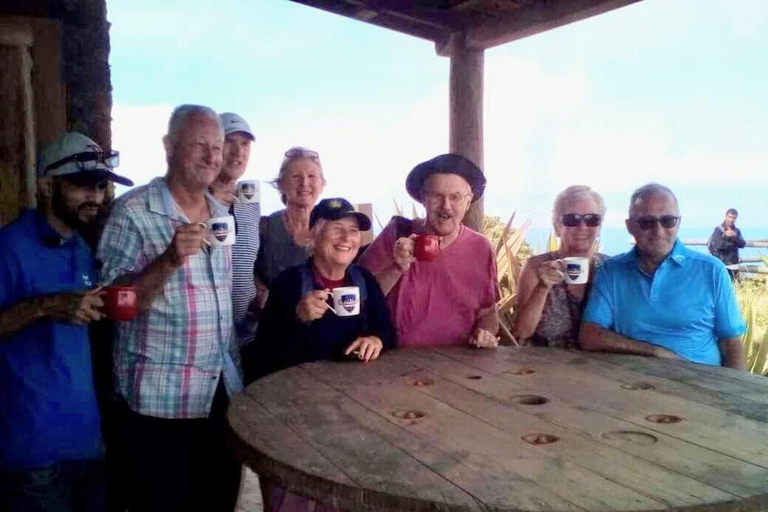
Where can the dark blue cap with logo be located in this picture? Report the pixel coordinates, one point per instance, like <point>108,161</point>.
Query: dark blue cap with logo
<point>337,208</point>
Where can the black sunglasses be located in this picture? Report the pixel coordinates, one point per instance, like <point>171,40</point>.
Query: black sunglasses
<point>647,222</point>
<point>591,220</point>
<point>89,160</point>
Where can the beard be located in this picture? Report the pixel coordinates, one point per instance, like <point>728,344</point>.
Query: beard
<point>71,216</point>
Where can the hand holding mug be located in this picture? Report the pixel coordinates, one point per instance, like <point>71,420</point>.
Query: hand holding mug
<point>313,305</point>
<point>403,252</point>
<point>483,338</point>
<point>551,273</point>
<point>426,247</point>
<point>187,241</point>
<point>367,348</point>
<point>121,303</point>
<point>227,193</point>
<point>79,308</point>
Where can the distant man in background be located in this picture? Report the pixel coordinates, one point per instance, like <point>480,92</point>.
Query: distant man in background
<point>51,453</point>
<point>662,299</point>
<point>237,150</point>
<point>177,362</point>
<point>725,242</point>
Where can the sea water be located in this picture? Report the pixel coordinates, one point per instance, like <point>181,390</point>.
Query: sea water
<point>616,240</point>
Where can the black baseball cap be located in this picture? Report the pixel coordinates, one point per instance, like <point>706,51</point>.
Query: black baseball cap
<point>337,208</point>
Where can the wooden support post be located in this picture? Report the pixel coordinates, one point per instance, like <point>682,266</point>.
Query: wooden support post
<point>466,116</point>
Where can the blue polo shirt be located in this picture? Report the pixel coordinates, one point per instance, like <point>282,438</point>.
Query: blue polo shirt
<point>48,409</point>
<point>686,306</point>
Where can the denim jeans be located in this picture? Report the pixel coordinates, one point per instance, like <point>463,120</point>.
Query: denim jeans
<point>76,486</point>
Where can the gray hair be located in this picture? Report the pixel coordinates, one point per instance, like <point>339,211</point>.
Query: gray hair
<point>182,113</point>
<point>287,161</point>
<point>573,194</point>
<point>650,190</point>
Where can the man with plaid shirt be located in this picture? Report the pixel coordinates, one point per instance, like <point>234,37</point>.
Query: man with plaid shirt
<point>175,363</point>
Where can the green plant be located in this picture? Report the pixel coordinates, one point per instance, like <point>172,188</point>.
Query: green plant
<point>753,299</point>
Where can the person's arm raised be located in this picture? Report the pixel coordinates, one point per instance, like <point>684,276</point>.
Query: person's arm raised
<point>402,258</point>
<point>535,283</point>
<point>740,242</point>
<point>187,241</point>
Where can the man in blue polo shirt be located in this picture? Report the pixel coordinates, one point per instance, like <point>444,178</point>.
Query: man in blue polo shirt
<point>661,298</point>
<point>50,432</point>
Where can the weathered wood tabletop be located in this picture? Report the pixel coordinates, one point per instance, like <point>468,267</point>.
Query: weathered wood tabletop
<point>458,428</point>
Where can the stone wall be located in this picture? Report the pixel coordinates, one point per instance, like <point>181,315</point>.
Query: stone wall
<point>85,55</point>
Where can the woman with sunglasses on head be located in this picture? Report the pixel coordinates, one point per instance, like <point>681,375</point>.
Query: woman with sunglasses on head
<point>285,235</point>
<point>547,309</point>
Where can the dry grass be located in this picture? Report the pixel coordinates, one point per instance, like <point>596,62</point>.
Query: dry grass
<point>753,300</point>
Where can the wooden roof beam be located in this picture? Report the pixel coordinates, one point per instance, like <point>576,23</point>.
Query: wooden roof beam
<point>399,21</point>
<point>534,18</point>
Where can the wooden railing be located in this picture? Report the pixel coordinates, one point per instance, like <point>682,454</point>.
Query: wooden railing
<point>749,265</point>
<point>750,243</point>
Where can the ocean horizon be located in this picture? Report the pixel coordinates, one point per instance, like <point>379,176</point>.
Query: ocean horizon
<point>617,240</point>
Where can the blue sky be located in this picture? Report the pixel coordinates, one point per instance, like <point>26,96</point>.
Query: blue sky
<point>666,90</point>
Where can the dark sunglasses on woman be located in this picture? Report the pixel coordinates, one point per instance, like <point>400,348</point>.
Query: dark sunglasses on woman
<point>591,220</point>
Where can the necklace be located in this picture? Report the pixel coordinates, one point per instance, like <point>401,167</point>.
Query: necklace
<point>300,235</point>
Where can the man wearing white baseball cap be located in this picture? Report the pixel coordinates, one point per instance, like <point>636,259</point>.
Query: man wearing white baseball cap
<point>51,452</point>
<point>236,152</point>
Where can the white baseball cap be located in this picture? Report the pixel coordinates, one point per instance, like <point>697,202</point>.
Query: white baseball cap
<point>75,154</point>
<point>234,123</point>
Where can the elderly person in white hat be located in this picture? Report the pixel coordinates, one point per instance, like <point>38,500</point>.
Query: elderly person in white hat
<point>451,299</point>
<point>51,448</point>
<point>236,152</point>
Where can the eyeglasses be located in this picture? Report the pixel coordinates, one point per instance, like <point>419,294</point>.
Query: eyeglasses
<point>299,152</point>
<point>647,222</point>
<point>89,160</point>
<point>591,220</point>
<point>455,198</point>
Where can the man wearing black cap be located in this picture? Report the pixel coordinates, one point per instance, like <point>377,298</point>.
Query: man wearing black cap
<point>452,299</point>
<point>50,433</point>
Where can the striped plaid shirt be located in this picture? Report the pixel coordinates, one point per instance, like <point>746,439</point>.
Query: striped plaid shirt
<point>168,360</point>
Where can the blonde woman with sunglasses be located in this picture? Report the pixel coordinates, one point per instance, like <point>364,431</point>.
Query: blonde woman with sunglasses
<point>547,309</point>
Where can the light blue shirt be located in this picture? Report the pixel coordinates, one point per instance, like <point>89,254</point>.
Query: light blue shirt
<point>686,306</point>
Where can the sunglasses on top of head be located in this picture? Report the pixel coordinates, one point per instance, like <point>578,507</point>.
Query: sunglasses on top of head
<point>591,220</point>
<point>89,160</point>
<point>647,222</point>
<point>300,152</point>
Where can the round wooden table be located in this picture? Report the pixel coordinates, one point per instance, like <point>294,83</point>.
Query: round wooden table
<point>458,428</point>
